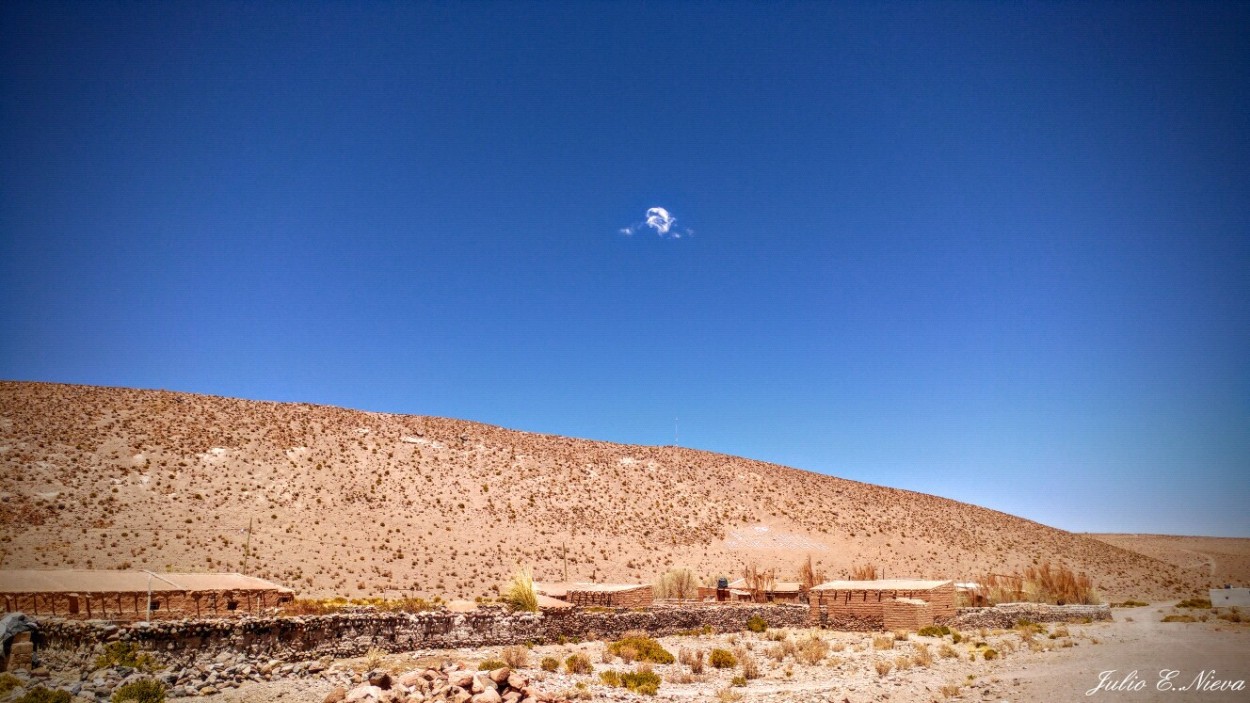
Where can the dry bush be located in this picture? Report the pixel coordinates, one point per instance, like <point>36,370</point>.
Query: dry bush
<point>949,690</point>
<point>677,583</point>
<point>812,650</point>
<point>692,659</point>
<point>520,593</point>
<point>374,657</point>
<point>948,652</point>
<point>883,667</point>
<point>750,667</point>
<point>809,576</point>
<point>1040,584</point>
<point>883,642</point>
<point>578,664</point>
<point>728,695</point>
<point>901,635</point>
<point>864,572</point>
<point>922,656</point>
<point>902,662</point>
<point>516,657</point>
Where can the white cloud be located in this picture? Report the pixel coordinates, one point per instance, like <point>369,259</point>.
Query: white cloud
<point>660,220</point>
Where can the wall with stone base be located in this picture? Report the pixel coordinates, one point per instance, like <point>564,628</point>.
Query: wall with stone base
<point>347,635</point>
<point>1006,615</point>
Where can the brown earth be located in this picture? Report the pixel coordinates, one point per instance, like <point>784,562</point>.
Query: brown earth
<point>1226,560</point>
<point>346,502</point>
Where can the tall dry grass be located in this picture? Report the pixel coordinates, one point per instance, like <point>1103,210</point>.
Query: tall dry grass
<point>1040,584</point>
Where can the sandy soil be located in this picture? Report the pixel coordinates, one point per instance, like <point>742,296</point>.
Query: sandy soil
<point>1057,665</point>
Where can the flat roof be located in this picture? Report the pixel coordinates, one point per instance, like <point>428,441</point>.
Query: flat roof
<point>102,581</point>
<point>880,585</point>
<point>777,587</point>
<point>560,590</point>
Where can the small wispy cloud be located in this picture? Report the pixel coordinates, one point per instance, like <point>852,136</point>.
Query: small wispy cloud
<point>660,220</point>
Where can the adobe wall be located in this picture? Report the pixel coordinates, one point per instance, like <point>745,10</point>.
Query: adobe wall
<point>347,635</point>
<point>133,606</point>
<point>864,609</point>
<point>640,597</point>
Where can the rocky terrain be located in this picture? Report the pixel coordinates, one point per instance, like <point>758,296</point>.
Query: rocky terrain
<point>344,502</point>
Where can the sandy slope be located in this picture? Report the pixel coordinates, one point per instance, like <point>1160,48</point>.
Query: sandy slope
<point>352,502</point>
<point>1224,559</point>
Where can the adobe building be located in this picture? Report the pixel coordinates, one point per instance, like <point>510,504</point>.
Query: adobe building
<point>124,595</point>
<point>777,592</point>
<point>907,601</point>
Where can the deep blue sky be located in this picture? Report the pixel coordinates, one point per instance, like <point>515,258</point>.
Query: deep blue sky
<point>995,252</point>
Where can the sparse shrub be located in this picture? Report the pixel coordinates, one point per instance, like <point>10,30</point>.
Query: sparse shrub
<point>516,657</point>
<point>990,654</point>
<point>644,648</point>
<point>1040,584</point>
<point>610,677</point>
<point>642,681</point>
<point>902,662</point>
<point>520,593</point>
<point>578,664</point>
<point>738,681</point>
<point>141,691</point>
<point>692,659</point>
<point>728,695</point>
<point>757,624</point>
<point>922,656</point>
<point>1197,602</point>
<point>39,694</point>
<point>374,657</point>
<point>883,642</point>
<point>1130,603</point>
<point>750,667</point>
<point>550,664</point>
<point>813,650</point>
<point>1179,618</point>
<point>677,583</point>
<point>864,572</point>
<point>125,654</point>
<point>722,659</point>
<point>949,690</point>
<point>934,631</point>
<point>901,635</point>
<point>8,682</point>
<point>883,667</point>
<point>491,665</point>
<point>948,652</point>
<point>956,637</point>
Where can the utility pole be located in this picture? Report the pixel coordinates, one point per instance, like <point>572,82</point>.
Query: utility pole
<point>247,544</point>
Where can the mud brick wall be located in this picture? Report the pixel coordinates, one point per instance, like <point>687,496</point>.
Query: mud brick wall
<point>640,597</point>
<point>133,606</point>
<point>906,614</point>
<point>1006,615</point>
<point>841,608</point>
<point>346,635</point>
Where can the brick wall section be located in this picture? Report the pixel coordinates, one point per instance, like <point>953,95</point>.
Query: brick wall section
<point>836,608</point>
<point>640,597</point>
<point>346,635</point>
<point>133,606</point>
<point>906,614</point>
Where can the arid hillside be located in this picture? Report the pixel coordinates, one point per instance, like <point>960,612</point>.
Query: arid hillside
<point>345,502</point>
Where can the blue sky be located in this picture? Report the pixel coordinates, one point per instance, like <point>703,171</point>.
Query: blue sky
<point>994,252</point>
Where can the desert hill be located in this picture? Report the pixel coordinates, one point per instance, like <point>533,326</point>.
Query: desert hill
<point>346,502</point>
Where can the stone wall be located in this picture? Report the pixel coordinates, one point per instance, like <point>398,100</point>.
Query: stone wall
<point>346,635</point>
<point>1006,615</point>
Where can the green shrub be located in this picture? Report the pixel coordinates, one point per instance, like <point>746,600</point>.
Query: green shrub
<point>550,664</point>
<point>578,664</point>
<point>39,694</point>
<point>126,654</point>
<point>722,659</point>
<point>644,649</point>
<point>491,665</point>
<point>142,691</point>
<point>990,654</point>
<point>934,631</point>
<point>956,637</point>
<point>738,681</point>
<point>757,624</point>
<point>1197,602</point>
<point>610,677</point>
<point>1179,618</point>
<point>1130,603</point>
<point>8,682</point>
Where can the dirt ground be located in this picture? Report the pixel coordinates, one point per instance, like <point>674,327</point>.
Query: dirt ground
<point>1057,663</point>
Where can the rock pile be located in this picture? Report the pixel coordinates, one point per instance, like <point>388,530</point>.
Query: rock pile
<point>1006,615</point>
<point>452,683</point>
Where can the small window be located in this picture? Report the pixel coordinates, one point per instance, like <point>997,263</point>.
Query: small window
<point>73,605</point>
<point>232,605</point>
<point>156,604</point>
